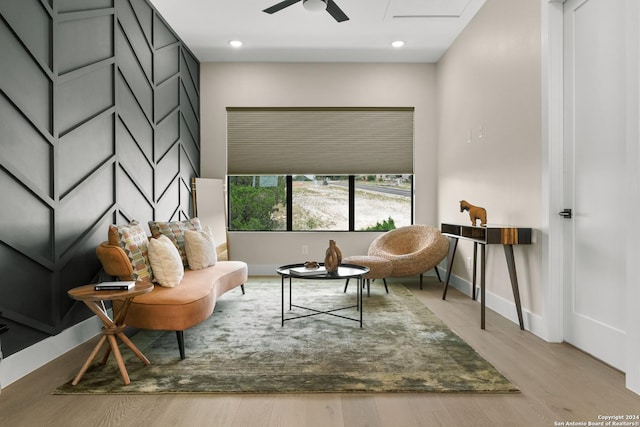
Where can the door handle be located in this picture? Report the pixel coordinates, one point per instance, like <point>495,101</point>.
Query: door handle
<point>565,213</point>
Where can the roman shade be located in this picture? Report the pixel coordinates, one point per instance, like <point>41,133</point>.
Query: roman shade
<point>320,141</point>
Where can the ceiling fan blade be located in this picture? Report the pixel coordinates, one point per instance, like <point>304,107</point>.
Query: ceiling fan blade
<point>336,12</point>
<point>278,7</point>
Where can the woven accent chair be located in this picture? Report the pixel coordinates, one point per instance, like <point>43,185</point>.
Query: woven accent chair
<point>412,250</point>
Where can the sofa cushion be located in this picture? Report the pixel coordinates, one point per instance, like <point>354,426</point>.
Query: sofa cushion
<point>174,230</point>
<point>166,263</point>
<point>132,238</point>
<point>200,248</point>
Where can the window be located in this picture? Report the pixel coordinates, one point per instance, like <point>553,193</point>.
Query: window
<point>320,202</point>
<point>383,201</point>
<point>257,203</point>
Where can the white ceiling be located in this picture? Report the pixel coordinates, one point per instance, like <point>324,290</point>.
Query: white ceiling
<point>295,34</point>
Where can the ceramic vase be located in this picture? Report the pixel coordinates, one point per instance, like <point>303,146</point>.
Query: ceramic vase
<point>333,257</point>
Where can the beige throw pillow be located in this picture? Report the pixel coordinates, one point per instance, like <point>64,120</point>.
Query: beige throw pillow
<point>200,248</point>
<point>166,263</point>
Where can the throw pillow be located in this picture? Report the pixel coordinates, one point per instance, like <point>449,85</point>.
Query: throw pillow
<point>200,248</point>
<point>174,230</point>
<point>165,262</point>
<point>133,239</point>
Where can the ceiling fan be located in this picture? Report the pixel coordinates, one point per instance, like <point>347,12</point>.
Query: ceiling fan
<point>328,5</point>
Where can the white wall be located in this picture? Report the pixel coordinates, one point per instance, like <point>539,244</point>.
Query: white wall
<point>317,85</point>
<point>489,153</point>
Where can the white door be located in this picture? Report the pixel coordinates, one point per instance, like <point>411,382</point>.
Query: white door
<point>594,156</point>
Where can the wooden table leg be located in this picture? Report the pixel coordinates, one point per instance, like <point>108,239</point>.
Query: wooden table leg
<point>116,352</point>
<point>482,283</point>
<point>110,330</point>
<point>475,262</point>
<point>511,265</point>
<point>125,339</point>
<point>86,365</point>
<point>453,243</point>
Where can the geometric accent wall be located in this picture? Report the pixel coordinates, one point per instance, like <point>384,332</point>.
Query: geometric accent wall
<point>99,124</point>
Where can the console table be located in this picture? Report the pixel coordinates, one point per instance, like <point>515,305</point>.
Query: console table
<point>491,234</point>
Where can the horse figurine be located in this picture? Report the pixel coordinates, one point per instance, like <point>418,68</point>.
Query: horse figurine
<point>475,212</point>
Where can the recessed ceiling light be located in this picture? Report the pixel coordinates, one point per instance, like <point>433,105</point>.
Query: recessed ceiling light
<point>235,43</point>
<point>397,43</point>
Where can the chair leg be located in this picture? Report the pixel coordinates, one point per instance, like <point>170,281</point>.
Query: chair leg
<point>242,287</point>
<point>385,285</point>
<point>437,273</point>
<point>345,286</point>
<point>180,335</point>
<point>420,281</point>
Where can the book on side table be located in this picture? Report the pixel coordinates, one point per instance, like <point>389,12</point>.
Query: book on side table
<point>115,286</point>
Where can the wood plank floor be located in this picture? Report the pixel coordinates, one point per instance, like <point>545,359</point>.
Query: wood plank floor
<point>558,382</point>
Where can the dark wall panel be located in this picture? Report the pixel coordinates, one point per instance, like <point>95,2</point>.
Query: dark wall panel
<point>23,81</point>
<point>83,150</point>
<point>162,34</point>
<point>80,98</point>
<point>24,149</point>
<point>99,124</point>
<point>167,98</point>
<point>167,133</point>
<point>166,63</point>
<point>32,25</point>
<point>137,80</point>
<point>80,5</point>
<point>26,220</point>
<point>82,42</point>
<point>132,116</point>
<point>136,38</point>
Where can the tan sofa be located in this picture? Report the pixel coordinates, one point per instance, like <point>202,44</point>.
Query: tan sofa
<point>178,308</point>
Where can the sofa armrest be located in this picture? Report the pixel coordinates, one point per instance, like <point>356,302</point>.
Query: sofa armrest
<point>114,261</point>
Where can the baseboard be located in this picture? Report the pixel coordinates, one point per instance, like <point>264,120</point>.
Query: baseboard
<point>33,357</point>
<point>502,306</point>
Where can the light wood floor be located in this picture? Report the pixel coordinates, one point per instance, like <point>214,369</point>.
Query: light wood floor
<point>558,383</point>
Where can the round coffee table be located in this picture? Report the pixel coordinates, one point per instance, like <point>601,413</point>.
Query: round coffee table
<point>345,271</point>
<point>112,327</point>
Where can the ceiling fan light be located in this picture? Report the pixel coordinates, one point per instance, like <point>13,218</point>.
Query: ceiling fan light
<point>397,43</point>
<point>314,5</point>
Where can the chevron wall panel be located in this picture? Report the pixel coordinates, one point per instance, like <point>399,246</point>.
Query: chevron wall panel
<point>99,124</point>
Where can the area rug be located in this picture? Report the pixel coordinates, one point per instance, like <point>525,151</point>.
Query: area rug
<point>243,348</point>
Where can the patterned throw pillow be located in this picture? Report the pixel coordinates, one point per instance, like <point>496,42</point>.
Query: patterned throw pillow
<point>132,238</point>
<point>175,232</point>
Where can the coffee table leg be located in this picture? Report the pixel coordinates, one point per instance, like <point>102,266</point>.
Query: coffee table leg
<point>361,282</point>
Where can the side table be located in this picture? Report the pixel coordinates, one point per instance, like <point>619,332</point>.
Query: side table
<point>112,327</point>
